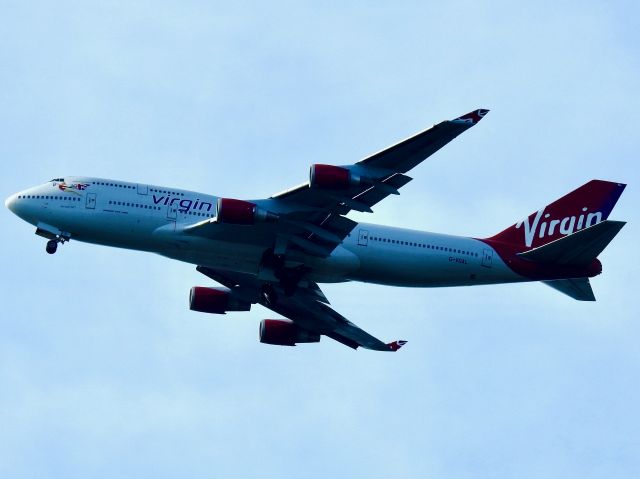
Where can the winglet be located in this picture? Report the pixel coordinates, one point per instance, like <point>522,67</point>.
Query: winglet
<point>394,346</point>
<point>472,117</point>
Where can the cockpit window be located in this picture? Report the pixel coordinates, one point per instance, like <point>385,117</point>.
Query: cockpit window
<point>58,180</point>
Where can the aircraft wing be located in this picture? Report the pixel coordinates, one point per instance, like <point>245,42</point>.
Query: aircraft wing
<point>385,169</point>
<point>311,217</point>
<point>307,307</point>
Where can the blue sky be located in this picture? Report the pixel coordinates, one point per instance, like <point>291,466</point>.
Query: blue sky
<point>105,373</point>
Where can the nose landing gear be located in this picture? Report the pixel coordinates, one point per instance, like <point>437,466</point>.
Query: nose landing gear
<point>52,246</point>
<point>53,234</point>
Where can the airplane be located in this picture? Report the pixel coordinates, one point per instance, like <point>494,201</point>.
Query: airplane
<point>275,251</point>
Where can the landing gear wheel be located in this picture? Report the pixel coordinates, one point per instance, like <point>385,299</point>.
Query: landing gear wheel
<point>52,246</point>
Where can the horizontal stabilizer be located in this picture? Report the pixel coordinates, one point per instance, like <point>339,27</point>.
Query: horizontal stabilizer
<point>577,288</point>
<point>577,249</point>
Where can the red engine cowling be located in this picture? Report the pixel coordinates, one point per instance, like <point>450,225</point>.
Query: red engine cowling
<point>240,212</point>
<point>215,300</point>
<point>283,332</point>
<point>332,177</point>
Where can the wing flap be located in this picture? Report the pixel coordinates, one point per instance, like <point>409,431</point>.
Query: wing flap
<point>374,195</point>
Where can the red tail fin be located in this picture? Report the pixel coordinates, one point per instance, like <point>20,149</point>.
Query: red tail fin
<point>586,206</point>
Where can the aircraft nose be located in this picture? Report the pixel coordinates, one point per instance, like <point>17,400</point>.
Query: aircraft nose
<point>10,202</point>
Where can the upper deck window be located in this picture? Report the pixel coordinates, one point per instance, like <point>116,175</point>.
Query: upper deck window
<point>57,179</point>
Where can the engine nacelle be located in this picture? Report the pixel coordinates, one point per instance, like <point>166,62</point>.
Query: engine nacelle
<point>215,300</point>
<point>283,332</point>
<point>240,212</point>
<point>332,177</point>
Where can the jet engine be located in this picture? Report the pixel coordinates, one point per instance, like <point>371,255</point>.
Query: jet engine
<point>283,332</point>
<point>215,300</point>
<point>332,177</point>
<point>240,212</point>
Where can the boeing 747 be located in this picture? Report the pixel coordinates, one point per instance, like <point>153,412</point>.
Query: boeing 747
<point>275,251</point>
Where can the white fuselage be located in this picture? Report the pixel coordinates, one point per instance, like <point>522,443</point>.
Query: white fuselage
<point>153,218</point>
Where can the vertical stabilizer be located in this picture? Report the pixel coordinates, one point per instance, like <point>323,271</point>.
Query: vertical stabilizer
<point>586,206</point>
